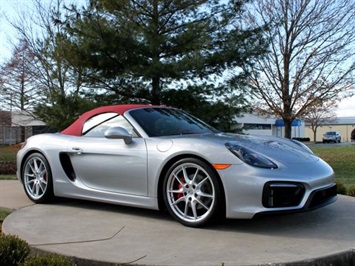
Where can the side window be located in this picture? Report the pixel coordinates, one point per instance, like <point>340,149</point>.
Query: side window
<point>97,125</point>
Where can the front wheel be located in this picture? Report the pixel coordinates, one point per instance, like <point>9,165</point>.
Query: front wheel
<point>37,178</point>
<point>192,193</point>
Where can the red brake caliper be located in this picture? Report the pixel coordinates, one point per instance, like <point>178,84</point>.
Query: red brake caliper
<point>179,195</point>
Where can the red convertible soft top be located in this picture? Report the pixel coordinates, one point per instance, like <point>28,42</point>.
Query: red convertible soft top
<point>76,128</point>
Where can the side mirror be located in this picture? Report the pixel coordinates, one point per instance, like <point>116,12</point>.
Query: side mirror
<point>118,133</point>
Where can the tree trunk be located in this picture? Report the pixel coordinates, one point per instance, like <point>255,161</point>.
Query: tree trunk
<point>155,99</point>
<point>155,44</point>
<point>315,135</point>
<point>288,128</point>
<point>23,134</point>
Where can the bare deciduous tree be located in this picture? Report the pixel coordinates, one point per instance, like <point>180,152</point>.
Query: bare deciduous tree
<point>320,114</point>
<point>17,78</point>
<point>311,55</point>
<point>17,82</point>
<point>59,85</point>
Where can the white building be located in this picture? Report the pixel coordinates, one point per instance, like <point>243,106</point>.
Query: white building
<point>344,125</point>
<point>271,126</point>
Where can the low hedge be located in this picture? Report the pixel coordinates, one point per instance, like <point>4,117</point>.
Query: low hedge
<point>302,139</point>
<point>48,260</point>
<point>351,191</point>
<point>8,168</point>
<point>341,189</point>
<point>15,251</point>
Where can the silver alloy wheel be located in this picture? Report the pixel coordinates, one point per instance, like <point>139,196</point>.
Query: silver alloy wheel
<point>190,192</point>
<point>35,177</point>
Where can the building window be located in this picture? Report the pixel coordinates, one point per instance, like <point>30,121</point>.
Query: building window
<point>248,126</point>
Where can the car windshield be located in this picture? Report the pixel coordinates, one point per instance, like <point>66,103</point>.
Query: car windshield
<point>158,122</point>
<point>330,133</point>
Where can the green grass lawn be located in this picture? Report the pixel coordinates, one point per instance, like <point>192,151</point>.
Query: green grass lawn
<point>4,213</point>
<point>8,177</point>
<point>8,153</point>
<point>341,159</point>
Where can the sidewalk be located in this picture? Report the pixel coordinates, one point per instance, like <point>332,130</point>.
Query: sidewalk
<point>115,234</point>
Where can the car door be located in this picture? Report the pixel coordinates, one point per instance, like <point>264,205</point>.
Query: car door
<point>109,164</point>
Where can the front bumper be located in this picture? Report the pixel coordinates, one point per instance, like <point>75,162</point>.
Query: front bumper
<point>251,191</point>
<point>330,140</point>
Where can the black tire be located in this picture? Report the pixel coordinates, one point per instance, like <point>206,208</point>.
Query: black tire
<point>37,178</point>
<point>192,193</point>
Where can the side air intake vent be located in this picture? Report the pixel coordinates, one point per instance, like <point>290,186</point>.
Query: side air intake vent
<point>67,166</point>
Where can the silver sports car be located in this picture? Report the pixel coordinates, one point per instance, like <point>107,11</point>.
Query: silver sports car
<point>163,158</point>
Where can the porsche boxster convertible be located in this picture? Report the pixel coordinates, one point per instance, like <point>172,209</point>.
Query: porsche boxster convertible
<point>160,157</point>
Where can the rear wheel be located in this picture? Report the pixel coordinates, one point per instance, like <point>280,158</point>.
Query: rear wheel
<point>37,178</point>
<point>192,193</point>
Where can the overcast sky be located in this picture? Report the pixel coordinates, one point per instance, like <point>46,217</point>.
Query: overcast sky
<point>7,35</point>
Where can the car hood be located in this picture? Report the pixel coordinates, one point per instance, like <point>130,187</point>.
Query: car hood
<point>275,148</point>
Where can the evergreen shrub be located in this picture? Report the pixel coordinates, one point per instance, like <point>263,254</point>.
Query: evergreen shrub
<point>341,189</point>
<point>351,191</point>
<point>48,260</point>
<point>13,250</point>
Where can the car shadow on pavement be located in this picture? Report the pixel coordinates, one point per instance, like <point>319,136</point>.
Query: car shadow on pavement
<point>329,222</point>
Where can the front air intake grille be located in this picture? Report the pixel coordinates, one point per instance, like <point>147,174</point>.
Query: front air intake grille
<point>282,194</point>
<point>321,197</point>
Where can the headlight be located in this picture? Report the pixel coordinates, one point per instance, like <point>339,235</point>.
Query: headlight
<point>250,157</point>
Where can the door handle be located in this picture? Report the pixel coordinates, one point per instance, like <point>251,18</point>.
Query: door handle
<point>77,150</point>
